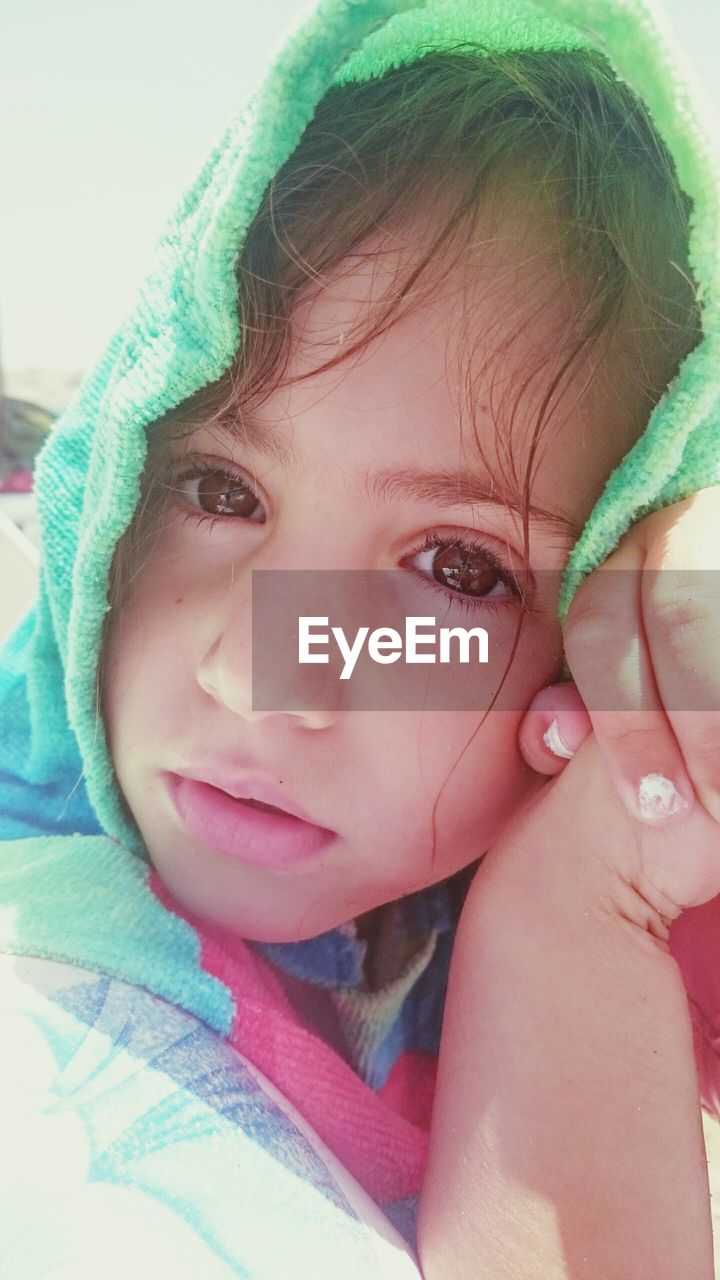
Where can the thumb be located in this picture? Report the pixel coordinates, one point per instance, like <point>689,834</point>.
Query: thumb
<point>553,727</point>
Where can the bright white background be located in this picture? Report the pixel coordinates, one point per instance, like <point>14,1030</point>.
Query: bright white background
<point>108,111</point>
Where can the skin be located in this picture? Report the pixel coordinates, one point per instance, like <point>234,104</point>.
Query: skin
<point>566,1121</point>
<point>660,644</point>
<point>177,675</point>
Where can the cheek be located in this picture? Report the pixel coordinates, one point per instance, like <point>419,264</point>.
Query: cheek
<point>464,767</point>
<point>483,780</point>
<point>475,774</point>
<point>145,662</point>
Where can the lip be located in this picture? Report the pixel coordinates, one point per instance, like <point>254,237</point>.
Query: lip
<point>244,785</point>
<point>219,818</point>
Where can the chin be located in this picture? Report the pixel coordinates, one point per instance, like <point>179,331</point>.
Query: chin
<point>276,933</point>
<point>254,925</point>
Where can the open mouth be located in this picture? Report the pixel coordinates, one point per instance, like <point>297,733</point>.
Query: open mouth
<point>268,808</point>
<point>249,830</point>
<point>249,802</point>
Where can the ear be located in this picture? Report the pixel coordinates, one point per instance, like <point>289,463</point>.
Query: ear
<point>553,728</point>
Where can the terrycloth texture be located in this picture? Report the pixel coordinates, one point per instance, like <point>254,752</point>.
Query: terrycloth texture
<point>137,1142</point>
<point>89,901</point>
<point>60,810</point>
<point>124,930</point>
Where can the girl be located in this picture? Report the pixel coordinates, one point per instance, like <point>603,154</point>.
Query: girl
<point>413,315</point>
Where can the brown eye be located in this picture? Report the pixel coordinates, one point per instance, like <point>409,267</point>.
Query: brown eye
<point>219,493</point>
<point>469,574</point>
<point>219,498</point>
<point>467,571</point>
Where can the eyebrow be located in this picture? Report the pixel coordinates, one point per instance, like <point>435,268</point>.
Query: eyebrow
<point>448,488</point>
<point>457,488</point>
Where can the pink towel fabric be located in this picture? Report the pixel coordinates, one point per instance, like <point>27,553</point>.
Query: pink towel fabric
<point>380,1136</point>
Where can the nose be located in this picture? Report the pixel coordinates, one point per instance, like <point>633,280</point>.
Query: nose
<point>224,674</point>
<point>299,693</point>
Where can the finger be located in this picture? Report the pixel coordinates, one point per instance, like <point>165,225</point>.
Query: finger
<point>611,664</point>
<point>553,727</point>
<point>681,607</point>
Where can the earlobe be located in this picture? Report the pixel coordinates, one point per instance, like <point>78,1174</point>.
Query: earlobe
<point>553,727</point>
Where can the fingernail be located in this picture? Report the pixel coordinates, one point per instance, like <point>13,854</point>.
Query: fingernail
<point>555,742</point>
<point>659,798</point>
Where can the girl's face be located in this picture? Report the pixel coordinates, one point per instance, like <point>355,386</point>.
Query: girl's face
<point>177,675</point>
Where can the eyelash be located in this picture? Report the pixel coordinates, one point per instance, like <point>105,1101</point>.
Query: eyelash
<point>469,604</point>
<point>469,548</point>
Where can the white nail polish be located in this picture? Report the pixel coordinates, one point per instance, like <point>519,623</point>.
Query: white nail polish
<point>658,797</point>
<point>555,742</point>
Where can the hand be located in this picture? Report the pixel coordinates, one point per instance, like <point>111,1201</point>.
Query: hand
<point>643,645</point>
<point>677,858</point>
<point>642,640</point>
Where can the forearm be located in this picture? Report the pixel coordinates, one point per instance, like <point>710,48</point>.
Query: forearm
<point>566,1138</point>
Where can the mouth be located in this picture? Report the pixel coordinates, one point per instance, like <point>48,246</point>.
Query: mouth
<point>266,808</point>
<point>244,828</point>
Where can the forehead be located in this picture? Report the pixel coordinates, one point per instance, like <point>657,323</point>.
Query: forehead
<point>471,354</point>
<point>477,311</point>
<point>500,267</point>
